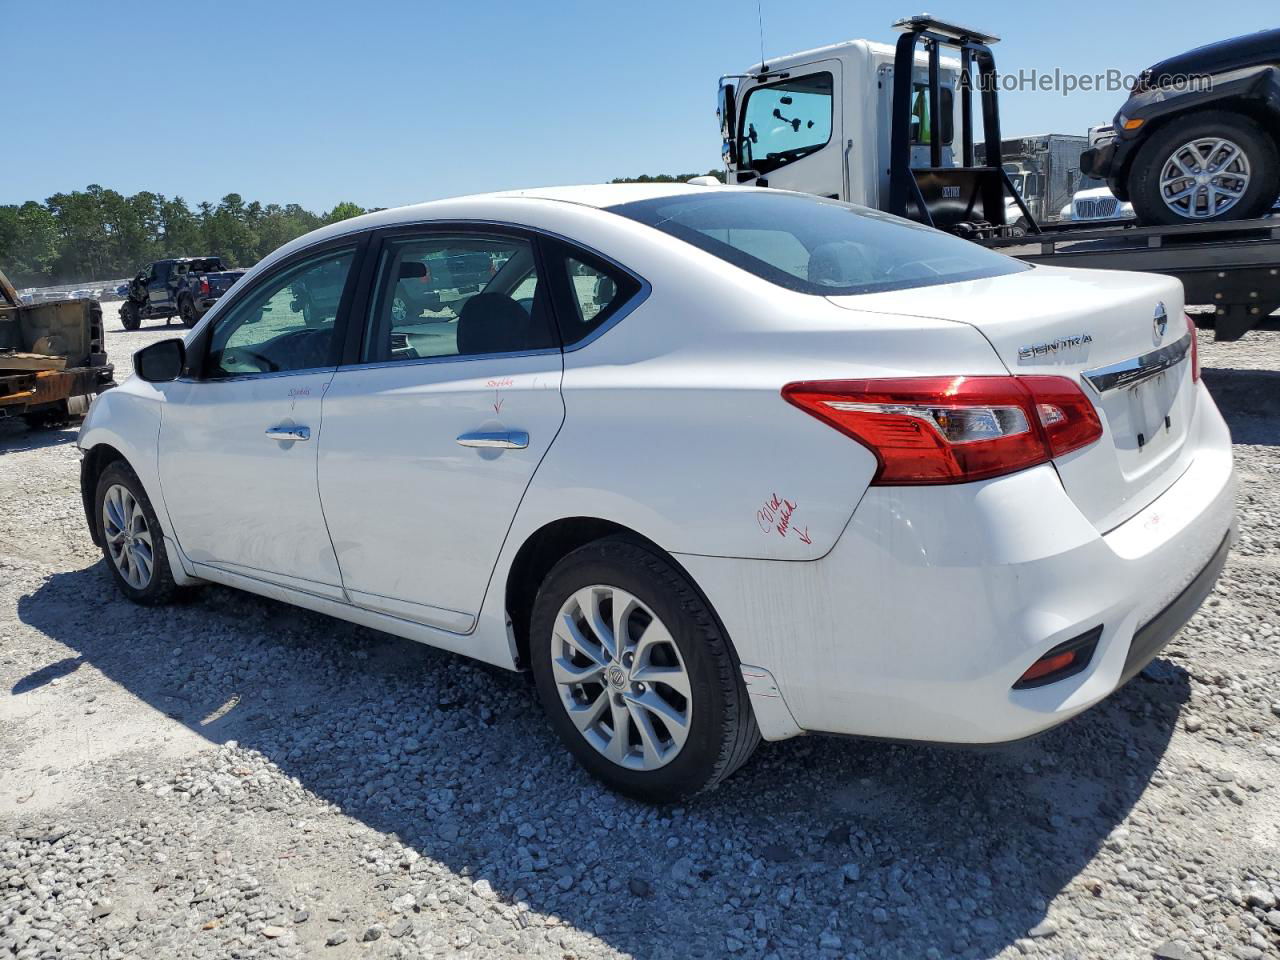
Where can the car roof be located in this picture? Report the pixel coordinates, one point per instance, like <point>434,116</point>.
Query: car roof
<point>605,194</point>
<point>505,203</point>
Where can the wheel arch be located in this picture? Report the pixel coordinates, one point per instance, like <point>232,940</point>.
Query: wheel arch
<point>96,459</point>
<point>552,542</point>
<point>1243,104</point>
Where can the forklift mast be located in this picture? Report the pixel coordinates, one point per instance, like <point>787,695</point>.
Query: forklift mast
<point>967,200</point>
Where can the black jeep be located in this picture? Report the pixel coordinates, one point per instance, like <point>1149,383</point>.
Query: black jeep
<point>1198,139</point>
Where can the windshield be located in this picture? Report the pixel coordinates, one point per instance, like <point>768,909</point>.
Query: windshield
<point>1089,183</point>
<point>786,121</point>
<point>818,246</point>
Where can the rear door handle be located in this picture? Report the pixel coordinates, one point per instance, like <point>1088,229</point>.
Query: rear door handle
<point>289,433</point>
<point>508,440</point>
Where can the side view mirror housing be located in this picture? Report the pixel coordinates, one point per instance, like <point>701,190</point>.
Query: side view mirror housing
<point>161,361</point>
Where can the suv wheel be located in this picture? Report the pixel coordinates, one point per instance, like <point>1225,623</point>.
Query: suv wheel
<point>132,542</point>
<point>187,310</point>
<point>1205,167</point>
<point>635,674</point>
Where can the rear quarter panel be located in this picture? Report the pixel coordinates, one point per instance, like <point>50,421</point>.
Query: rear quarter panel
<point>675,424</point>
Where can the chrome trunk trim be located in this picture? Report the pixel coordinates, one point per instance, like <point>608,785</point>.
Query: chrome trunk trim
<point>1133,371</point>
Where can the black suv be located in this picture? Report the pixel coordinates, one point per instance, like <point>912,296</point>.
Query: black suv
<point>1198,139</point>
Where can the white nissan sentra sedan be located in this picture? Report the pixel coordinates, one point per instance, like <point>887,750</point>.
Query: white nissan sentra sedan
<point>714,463</point>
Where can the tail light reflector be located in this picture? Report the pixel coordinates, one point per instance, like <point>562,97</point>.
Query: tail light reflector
<point>204,286</point>
<point>926,430</point>
<point>1195,351</point>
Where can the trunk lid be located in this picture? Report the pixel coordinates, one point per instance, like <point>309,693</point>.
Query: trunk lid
<point>1091,326</point>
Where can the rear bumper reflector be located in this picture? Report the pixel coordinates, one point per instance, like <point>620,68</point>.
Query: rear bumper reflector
<point>1065,660</point>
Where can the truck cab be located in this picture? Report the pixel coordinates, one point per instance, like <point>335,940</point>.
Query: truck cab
<point>821,121</point>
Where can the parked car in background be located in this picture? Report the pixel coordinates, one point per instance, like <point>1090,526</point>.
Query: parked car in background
<point>693,455</point>
<point>441,279</point>
<point>183,287</point>
<point>1199,137</point>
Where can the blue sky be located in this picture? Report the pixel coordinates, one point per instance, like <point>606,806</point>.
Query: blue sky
<point>386,102</point>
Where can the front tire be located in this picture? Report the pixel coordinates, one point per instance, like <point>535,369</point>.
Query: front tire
<point>1203,168</point>
<point>130,315</point>
<point>132,541</point>
<point>635,674</point>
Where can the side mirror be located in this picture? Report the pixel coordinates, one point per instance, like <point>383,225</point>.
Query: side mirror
<point>161,362</point>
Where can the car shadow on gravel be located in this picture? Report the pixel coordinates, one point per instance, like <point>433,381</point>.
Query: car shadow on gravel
<point>1249,401</point>
<point>16,436</point>
<point>818,847</point>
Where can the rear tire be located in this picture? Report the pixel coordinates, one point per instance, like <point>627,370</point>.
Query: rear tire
<point>130,315</point>
<point>187,310</point>
<point>132,541</point>
<point>1153,193</point>
<point>659,746</point>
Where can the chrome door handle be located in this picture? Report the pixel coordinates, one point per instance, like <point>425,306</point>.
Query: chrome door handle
<point>509,440</point>
<point>289,433</point>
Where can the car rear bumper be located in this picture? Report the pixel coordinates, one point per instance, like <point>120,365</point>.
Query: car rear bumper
<point>934,601</point>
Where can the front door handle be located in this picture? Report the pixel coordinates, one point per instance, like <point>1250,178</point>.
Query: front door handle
<point>289,433</point>
<point>507,440</point>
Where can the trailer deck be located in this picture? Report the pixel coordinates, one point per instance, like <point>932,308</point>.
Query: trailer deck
<point>1232,265</point>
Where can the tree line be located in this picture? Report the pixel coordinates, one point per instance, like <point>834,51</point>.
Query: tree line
<point>100,234</point>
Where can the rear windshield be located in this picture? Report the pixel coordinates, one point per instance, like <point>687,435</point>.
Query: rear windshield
<point>819,246</point>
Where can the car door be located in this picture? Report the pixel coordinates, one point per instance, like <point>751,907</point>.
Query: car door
<point>239,435</point>
<point>432,437</point>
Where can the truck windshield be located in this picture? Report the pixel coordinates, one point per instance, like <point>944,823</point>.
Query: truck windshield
<point>815,245</point>
<point>785,121</point>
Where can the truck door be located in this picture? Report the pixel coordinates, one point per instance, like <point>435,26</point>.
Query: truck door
<point>791,132</point>
<point>158,285</point>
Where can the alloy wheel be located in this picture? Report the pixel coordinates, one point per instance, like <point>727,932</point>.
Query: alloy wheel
<point>621,677</point>
<point>128,536</point>
<point>1204,178</point>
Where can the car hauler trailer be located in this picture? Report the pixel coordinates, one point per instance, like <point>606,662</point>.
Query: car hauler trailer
<point>877,125</point>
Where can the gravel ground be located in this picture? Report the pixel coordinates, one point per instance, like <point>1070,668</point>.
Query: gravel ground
<point>231,777</point>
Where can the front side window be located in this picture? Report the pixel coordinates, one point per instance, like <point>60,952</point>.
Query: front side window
<point>452,296</point>
<point>785,121</point>
<point>815,245</point>
<point>284,323</point>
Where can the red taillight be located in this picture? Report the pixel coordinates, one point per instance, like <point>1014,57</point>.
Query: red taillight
<point>1195,351</point>
<point>953,429</point>
<point>204,286</point>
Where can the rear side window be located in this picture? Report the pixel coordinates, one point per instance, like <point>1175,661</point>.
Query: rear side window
<point>818,246</point>
<point>594,291</point>
<point>443,295</point>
